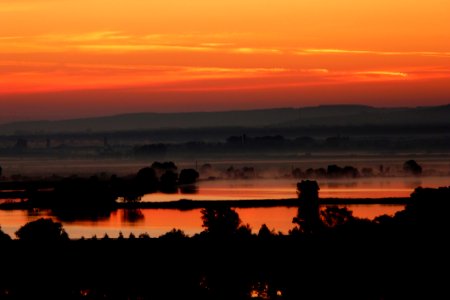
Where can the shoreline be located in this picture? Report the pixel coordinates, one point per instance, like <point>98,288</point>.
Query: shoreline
<point>185,204</point>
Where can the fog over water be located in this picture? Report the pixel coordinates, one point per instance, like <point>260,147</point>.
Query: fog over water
<point>272,180</point>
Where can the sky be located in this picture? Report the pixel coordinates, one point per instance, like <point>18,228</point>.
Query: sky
<point>63,59</point>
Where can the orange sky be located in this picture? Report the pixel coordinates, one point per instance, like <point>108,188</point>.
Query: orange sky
<point>67,58</point>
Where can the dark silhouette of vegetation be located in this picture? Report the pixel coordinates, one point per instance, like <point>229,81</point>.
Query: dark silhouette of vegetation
<point>162,167</point>
<point>383,259</point>
<point>332,172</point>
<point>223,223</point>
<point>133,215</point>
<point>169,182</point>
<point>42,230</point>
<point>308,218</point>
<point>265,233</point>
<point>244,173</point>
<point>333,216</point>
<point>144,236</point>
<point>188,176</point>
<point>174,234</point>
<point>428,210</point>
<point>146,181</point>
<point>3,236</point>
<point>412,167</point>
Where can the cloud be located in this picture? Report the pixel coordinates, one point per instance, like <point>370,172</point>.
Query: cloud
<point>325,51</point>
<point>87,37</point>
<point>383,73</point>
<point>119,41</point>
<point>141,47</point>
<point>246,50</point>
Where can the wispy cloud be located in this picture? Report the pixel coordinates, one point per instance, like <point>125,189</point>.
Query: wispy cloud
<point>141,47</point>
<point>324,51</point>
<point>383,73</point>
<point>118,41</point>
<point>86,37</point>
<point>247,50</point>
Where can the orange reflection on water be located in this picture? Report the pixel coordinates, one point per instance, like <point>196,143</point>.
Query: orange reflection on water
<point>280,218</point>
<point>156,222</point>
<point>277,218</point>
<point>365,192</point>
<point>258,192</point>
<point>286,189</point>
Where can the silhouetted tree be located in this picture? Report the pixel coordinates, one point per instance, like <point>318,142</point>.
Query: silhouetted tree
<point>168,182</point>
<point>334,171</point>
<point>163,167</point>
<point>244,232</point>
<point>144,236</point>
<point>333,216</point>
<point>188,176</point>
<point>220,222</point>
<point>428,209</point>
<point>350,172</point>
<point>265,233</point>
<point>412,167</point>
<point>42,230</point>
<point>174,234</point>
<point>146,181</point>
<point>3,236</point>
<point>308,217</point>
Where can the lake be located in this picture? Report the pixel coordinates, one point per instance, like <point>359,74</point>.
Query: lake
<point>253,189</point>
<point>158,221</point>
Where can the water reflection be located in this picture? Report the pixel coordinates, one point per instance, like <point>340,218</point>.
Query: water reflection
<point>156,222</point>
<point>286,188</point>
<point>75,215</point>
<point>189,189</point>
<point>133,215</point>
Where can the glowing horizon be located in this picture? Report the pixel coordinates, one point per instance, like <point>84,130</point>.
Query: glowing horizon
<point>84,58</point>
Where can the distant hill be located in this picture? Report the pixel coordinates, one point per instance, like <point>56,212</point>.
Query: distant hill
<point>335,115</point>
<point>366,115</point>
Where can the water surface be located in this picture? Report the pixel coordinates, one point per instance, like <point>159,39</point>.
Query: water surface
<point>156,222</point>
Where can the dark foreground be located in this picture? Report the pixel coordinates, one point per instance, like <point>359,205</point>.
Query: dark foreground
<point>328,267</point>
<point>329,255</point>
